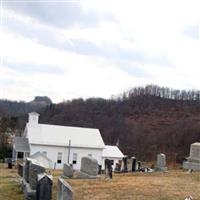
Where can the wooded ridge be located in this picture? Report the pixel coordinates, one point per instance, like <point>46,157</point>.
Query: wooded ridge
<point>144,121</point>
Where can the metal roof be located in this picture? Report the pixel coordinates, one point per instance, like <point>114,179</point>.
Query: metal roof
<point>112,152</point>
<point>21,144</point>
<point>45,134</point>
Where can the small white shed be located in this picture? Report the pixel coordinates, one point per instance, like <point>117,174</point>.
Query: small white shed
<point>111,153</point>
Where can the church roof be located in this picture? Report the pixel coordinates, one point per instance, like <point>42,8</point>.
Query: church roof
<point>45,134</point>
<point>112,152</point>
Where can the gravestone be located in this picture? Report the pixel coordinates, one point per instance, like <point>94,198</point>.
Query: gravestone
<point>89,166</point>
<point>29,193</point>
<point>26,170</point>
<point>99,169</point>
<point>67,170</point>
<point>44,187</point>
<point>117,167</point>
<point>82,175</point>
<point>20,167</point>
<point>193,161</point>
<point>31,170</point>
<point>34,170</point>
<point>108,168</point>
<point>125,164</point>
<point>138,165</point>
<point>161,163</point>
<point>9,161</point>
<point>65,191</point>
<point>134,162</point>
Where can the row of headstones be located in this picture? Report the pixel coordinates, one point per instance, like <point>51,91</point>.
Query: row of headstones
<point>132,165</point>
<point>37,184</point>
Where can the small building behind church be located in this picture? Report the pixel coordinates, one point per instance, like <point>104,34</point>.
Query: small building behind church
<point>112,153</point>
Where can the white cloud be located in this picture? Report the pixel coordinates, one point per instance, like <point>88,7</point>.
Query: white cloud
<point>154,28</point>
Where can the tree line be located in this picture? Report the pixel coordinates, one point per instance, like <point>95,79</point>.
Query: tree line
<point>163,92</point>
<point>144,121</point>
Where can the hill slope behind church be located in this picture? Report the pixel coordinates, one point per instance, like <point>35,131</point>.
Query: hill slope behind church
<point>143,125</point>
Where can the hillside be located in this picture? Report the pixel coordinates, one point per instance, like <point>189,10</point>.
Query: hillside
<point>17,108</point>
<point>143,121</point>
<point>143,125</point>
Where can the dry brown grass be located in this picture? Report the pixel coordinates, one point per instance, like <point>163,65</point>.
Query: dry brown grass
<point>9,184</point>
<point>175,185</point>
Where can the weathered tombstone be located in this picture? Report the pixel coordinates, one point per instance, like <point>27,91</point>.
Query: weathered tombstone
<point>20,167</point>
<point>34,170</point>
<point>161,163</point>
<point>29,193</point>
<point>108,168</point>
<point>138,165</point>
<point>65,191</point>
<point>44,187</point>
<point>117,167</point>
<point>67,170</point>
<point>89,166</point>
<point>134,162</point>
<point>9,161</point>
<point>26,170</point>
<point>125,164</point>
<point>99,169</point>
<point>193,161</point>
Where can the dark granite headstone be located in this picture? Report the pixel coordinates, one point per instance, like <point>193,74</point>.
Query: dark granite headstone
<point>20,169</point>
<point>108,167</point>
<point>134,161</point>
<point>138,165</point>
<point>125,164</point>
<point>44,187</point>
<point>9,161</point>
<point>26,170</point>
<point>65,191</point>
<point>99,169</point>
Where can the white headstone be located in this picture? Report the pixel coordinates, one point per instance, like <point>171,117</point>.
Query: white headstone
<point>193,161</point>
<point>161,163</point>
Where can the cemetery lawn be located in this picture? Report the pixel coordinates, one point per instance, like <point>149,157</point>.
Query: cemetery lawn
<point>174,185</point>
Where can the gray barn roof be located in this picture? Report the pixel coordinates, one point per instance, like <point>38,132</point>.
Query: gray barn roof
<point>21,144</point>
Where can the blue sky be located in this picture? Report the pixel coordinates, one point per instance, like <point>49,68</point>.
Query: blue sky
<point>90,48</point>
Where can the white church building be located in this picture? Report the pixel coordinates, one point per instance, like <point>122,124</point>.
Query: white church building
<point>62,144</point>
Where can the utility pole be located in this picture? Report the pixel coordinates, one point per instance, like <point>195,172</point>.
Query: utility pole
<point>69,151</point>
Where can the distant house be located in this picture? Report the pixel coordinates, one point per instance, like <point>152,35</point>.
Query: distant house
<point>112,153</point>
<point>62,144</point>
